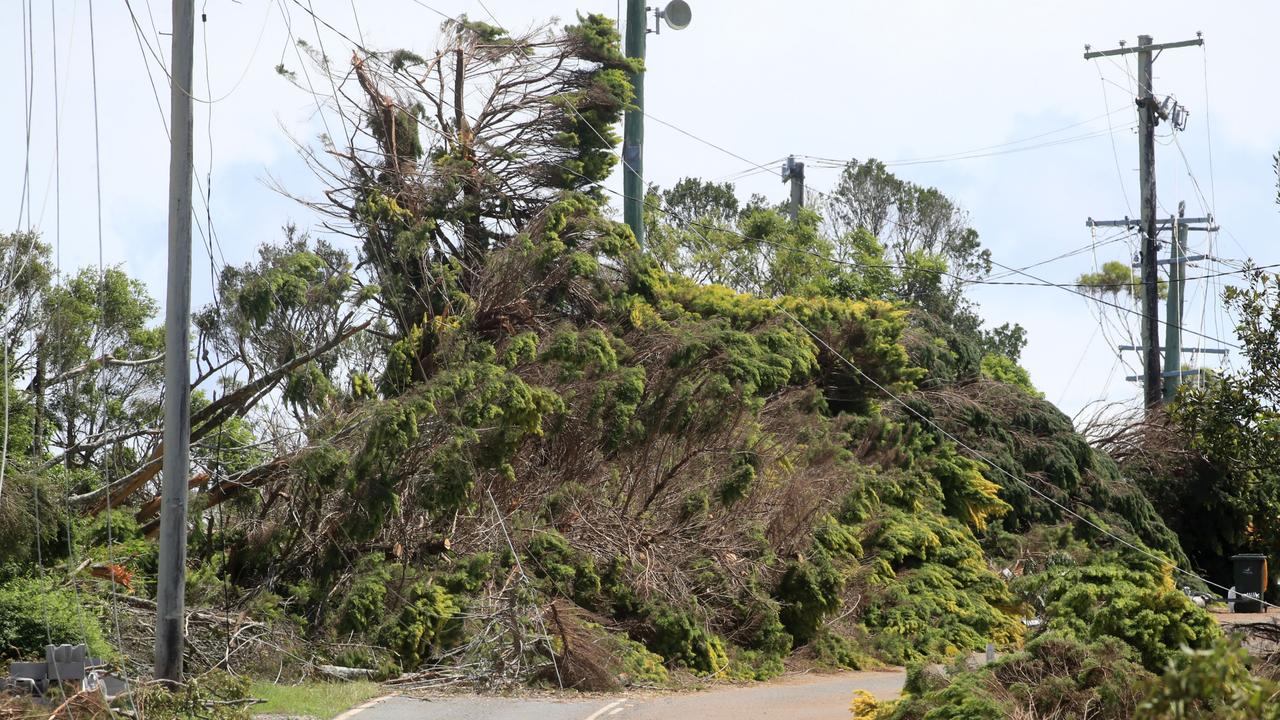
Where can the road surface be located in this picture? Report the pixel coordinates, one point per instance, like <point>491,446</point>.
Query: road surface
<point>802,697</point>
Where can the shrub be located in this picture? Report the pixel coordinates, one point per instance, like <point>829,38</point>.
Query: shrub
<point>1127,597</point>
<point>681,639</point>
<point>809,591</point>
<point>421,624</point>
<point>1212,683</point>
<point>35,612</point>
<point>1056,676</point>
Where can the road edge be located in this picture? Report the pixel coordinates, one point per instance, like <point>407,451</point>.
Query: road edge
<point>364,706</point>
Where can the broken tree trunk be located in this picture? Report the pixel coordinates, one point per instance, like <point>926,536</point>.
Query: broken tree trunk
<point>205,421</point>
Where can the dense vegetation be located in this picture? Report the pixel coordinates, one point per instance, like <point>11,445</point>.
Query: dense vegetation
<point>498,436</point>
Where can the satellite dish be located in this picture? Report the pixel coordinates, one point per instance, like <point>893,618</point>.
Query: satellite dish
<point>677,14</point>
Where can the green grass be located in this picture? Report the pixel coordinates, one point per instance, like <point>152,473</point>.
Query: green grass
<point>318,699</point>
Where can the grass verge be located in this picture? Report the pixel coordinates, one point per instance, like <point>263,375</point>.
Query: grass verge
<point>322,700</point>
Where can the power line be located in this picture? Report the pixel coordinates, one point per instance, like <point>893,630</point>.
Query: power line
<point>164,68</point>
<point>1115,154</point>
<point>57,144</point>
<point>708,143</point>
<point>209,239</point>
<point>836,163</point>
<point>1208,135</point>
<point>1008,143</point>
<point>1135,283</point>
<point>97,153</point>
<point>28,97</point>
<point>1116,236</point>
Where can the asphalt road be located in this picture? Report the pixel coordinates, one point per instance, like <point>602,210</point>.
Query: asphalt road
<point>801,697</point>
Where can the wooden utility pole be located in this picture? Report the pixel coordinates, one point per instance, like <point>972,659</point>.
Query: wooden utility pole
<point>1147,182</point>
<point>1149,113</point>
<point>171,580</point>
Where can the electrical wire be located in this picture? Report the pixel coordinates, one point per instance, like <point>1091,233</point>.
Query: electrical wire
<point>1124,192</point>
<point>1116,236</point>
<point>832,162</point>
<point>57,144</point>
<point>28,96</point>
<point>970,151</point>
<point>708,143</point>
<point>111,557</point>
<point>835,163</point>
<point>1208,134</point>
<point>207,238</point>
<point>1071,378</point>
<point>164,68</point>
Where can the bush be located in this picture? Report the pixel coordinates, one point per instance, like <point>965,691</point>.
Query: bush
<point>1213,683</point>
<point>1056,676</point>
<point>679,638</point>
<point>839,651</point>
<point>1127,597</point>
<point>421,625</point>
<point>35,612</point>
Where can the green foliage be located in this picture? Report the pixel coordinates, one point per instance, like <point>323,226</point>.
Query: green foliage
<point>1128,597</point>
<point>1214,683</point>
<point>23,498</point>
<point>934,594</point>
<point>809,591</point>
<point>741,477</point>
<point>411,618</point>
<point>568,572</point>
<point>640,666</point>
<point>582,353</point>
<point>925,235</point>
<point>325,467</point>
<point>1001,369</point>
<point>967,494</point>
<point>840,651</point>
<point>1114,278</point>
<point>1054,676</point>
<point>364,606</point>
<point>679,638</point>
<point>421,625</point>
<point>35,612</point>
<point>279,307</point>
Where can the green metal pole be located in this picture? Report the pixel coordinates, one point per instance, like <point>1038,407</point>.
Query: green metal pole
<point>633,129</point>
<point>1173,313</point>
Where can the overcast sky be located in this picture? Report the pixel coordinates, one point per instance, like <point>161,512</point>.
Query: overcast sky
<point>895,81</point>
